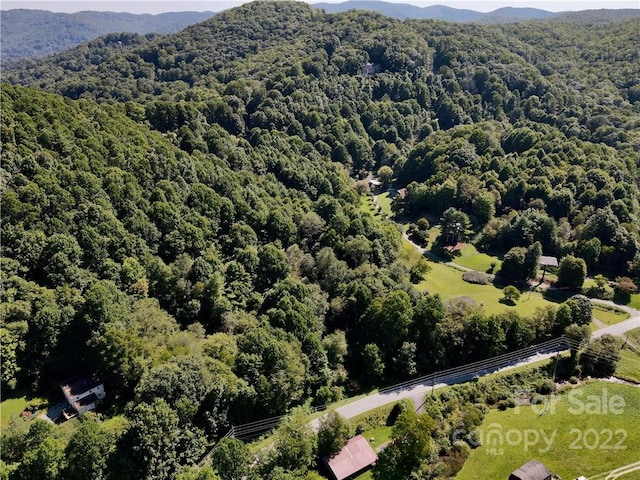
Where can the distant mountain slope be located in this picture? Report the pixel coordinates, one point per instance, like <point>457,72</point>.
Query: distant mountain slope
<point>38,33</point>
<point>404,11</point>
<point>510,14</point>
<point>599,16</point>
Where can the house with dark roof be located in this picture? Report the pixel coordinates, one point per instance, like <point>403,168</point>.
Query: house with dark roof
<point>82,394</point>
<point>532,470</point>
<point>355,458</point>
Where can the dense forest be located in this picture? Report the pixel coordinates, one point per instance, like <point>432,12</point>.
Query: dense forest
<point>180,216</point>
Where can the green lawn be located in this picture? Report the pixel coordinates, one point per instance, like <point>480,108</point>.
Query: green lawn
<point>628,367</point>
<point>433,234</point>
<point>380,436</point>
<point>367,205</point>
<point>447,281</point>
<point>408,253</point>
<point>609,316</point>
<point>384,200</point>
<point>634,335</point>
<point>583,443</point>
<point>11,408</point>
<point>471,258</point>
<point>14,404</point>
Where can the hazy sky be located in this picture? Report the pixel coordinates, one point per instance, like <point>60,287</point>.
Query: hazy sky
<point>158,6</point>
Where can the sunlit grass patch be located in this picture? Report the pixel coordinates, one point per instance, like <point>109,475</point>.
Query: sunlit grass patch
<point>628,367</point>
<point>448,283</point>
<point>590,437</point>
<point>470,257</point>
<point>609,315</point>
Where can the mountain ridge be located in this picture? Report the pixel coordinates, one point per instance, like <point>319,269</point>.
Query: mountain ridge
<point>39,33</point>
<point>405,11</point>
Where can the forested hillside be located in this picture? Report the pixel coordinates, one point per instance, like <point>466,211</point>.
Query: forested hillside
<point>38,33</point>
<point>181,215</point>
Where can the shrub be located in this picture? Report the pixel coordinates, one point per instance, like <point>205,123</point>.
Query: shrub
<point>572,272</point>
<point>482,408</point>
<point>546,387</point>
<point>538,399</point>
<point>397,409</point>
<point>597,292</point>
<point>625,285</point>
<point>507,403</point>
<point>511,294</point>
<point>479,278</point>
<point>573,380</point>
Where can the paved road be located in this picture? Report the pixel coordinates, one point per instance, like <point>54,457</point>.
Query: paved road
<point>619,329</point>
<point>417,392</point>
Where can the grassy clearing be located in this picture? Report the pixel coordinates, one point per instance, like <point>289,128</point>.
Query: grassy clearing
<point>433,234</point>
<point>14,404</point>
<point>367,205</point>
<point>628,367</point>
<point>408,253</point>
<point>583,444</point>
<point>384,200</point>
<point>11,408</point>
<point>470,257</point>
<point>448,283</point>
<point>380,436</point>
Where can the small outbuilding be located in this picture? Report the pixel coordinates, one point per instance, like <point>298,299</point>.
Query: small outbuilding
<point>547,261</point>
<point>355,458</point>
<point>532,470</point>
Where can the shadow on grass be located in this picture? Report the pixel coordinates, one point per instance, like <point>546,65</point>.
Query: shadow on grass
<point>558,296</point>
<point>507,301</point>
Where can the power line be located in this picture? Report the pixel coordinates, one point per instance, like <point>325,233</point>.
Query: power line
<point>458,374</point>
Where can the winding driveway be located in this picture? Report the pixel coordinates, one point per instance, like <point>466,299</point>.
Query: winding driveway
<point>619,329</point>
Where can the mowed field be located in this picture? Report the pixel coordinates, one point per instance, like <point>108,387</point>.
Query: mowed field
<point>586,430</point>
<point>447,281</point>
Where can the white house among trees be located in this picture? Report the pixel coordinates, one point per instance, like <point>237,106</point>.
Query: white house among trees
<point>82,394</point>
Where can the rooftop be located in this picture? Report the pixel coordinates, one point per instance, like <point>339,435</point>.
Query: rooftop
<point>356,455</point>
<point>532,470</point>
<point>88,400</point>
<point>546,261</point>
<point>79,385</point>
